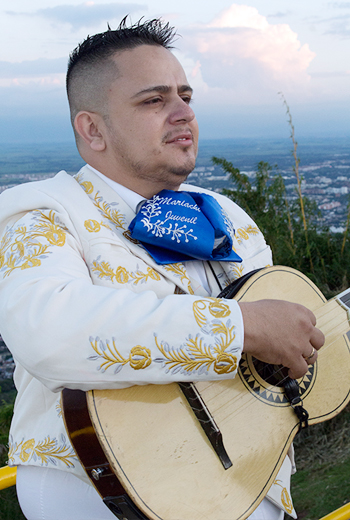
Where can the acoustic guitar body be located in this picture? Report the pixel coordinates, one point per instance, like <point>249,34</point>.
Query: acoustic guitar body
<point>159,452</point>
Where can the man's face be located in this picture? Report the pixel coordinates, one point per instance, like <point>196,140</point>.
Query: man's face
<point>152,132</point>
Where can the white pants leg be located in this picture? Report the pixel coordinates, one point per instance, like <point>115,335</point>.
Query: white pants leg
<point>50,494</point>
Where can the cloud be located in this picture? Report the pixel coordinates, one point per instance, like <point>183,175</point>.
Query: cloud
<point>339,26</point>
<point>84,15</point>
<point>242,54</point>
<point>340,5</point>
<point>279,15</point>
<point>32,68</point>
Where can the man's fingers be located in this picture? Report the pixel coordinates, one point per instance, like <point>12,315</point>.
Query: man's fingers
<point>299,369</point>
<point>317,338</point>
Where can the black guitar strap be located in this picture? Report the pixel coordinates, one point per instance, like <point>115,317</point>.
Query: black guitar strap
<point>292,391</point>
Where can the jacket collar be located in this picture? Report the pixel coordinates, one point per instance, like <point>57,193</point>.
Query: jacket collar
<point>119,214</point>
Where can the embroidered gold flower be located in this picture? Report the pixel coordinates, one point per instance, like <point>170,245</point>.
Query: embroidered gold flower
<point>153,274</point>
<point>285,497</point>
<point>92,226</point>
<point>243,233</point>
<point>55,236</point>
<point>20,249</point>
<point>87,186</point>
<point>225,363</point>
<point>27,450</point>
<point>219,309</point>
<point>140,357</point>
<point>46,227</point>
<point>49,451</point>
<point>286,501</point>
<point>121,275</point>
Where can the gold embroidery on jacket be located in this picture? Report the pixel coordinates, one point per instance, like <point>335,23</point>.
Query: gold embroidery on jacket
<point>48,451</point>
<point>195,355</point>
<point>285,497</point>
<point>109,213</point>
<point>121,275</point>
<point>179,271</point>
<point>105,208</point>
<point>236,271</point>
<point>243,233</point>
<point>139,358</point>
<point>94,227</point>
<point>192,356</point>
<point>19,248</point>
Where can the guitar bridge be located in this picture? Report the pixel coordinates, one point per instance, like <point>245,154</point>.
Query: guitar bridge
<point>206,421</point>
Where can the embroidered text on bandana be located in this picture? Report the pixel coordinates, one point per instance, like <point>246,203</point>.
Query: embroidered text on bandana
<point>175,226</point>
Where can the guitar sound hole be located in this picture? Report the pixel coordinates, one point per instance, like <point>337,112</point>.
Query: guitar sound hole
<point>274,375</point>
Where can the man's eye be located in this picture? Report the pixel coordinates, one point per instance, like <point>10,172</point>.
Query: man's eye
<point>153,101</point>
<point>187,99</point>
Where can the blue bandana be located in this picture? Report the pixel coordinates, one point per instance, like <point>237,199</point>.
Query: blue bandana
<point>175,226</point>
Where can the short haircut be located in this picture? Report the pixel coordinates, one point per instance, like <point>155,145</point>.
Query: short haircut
<point>91,68</point>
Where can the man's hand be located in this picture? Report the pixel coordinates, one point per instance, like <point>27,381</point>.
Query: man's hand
<point>281,333</point>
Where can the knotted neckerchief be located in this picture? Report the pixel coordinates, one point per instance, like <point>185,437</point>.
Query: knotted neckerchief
<point>175,226</point>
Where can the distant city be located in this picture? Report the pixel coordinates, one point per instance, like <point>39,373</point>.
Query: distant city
<point>324,167</point>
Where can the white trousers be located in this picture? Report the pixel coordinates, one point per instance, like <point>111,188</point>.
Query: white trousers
<point>49,494</point>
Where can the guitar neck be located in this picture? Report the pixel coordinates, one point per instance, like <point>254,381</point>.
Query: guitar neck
<point>344,300</point>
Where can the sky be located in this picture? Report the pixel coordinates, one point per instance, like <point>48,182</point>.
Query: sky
<point>243,59</point>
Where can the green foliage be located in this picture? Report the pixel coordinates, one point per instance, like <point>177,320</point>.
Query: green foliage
<point>321,255</point>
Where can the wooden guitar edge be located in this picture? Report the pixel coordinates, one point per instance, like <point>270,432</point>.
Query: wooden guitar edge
<point>92,457</point>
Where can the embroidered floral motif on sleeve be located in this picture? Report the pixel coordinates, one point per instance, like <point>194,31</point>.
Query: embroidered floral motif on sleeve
<point>49,451</point>
<point>195,355</point>
<point>139,358</point>
<point>19,247</point>
<point>121,275</point>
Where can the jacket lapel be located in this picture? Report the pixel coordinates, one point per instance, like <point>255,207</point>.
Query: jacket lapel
<point>118,215</point>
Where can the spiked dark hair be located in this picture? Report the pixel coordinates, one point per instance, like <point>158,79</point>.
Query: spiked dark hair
<point>103,45</point>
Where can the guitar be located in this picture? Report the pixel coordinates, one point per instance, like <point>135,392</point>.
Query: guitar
<point>144,448</point>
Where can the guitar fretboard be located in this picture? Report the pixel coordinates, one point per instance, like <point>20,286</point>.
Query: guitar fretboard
<point>344,299</point>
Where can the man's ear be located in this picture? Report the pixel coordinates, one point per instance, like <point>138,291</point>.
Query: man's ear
<point>90,126</point>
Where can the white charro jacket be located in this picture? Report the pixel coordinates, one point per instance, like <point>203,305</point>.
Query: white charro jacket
<point>75,287</point>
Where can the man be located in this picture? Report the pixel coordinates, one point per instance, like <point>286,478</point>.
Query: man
<point>75,283</point>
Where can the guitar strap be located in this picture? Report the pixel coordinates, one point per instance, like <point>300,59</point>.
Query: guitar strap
<point>292,391</point>
<point>291,386</point>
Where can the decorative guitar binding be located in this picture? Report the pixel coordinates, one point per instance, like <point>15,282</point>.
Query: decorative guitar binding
<point>147,454</point>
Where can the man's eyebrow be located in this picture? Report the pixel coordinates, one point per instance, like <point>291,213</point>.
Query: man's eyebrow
<point>163,89</point>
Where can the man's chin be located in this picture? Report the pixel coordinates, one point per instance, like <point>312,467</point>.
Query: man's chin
<point>184,170</point>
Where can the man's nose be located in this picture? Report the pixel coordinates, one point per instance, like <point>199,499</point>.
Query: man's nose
<point>181,112</point>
